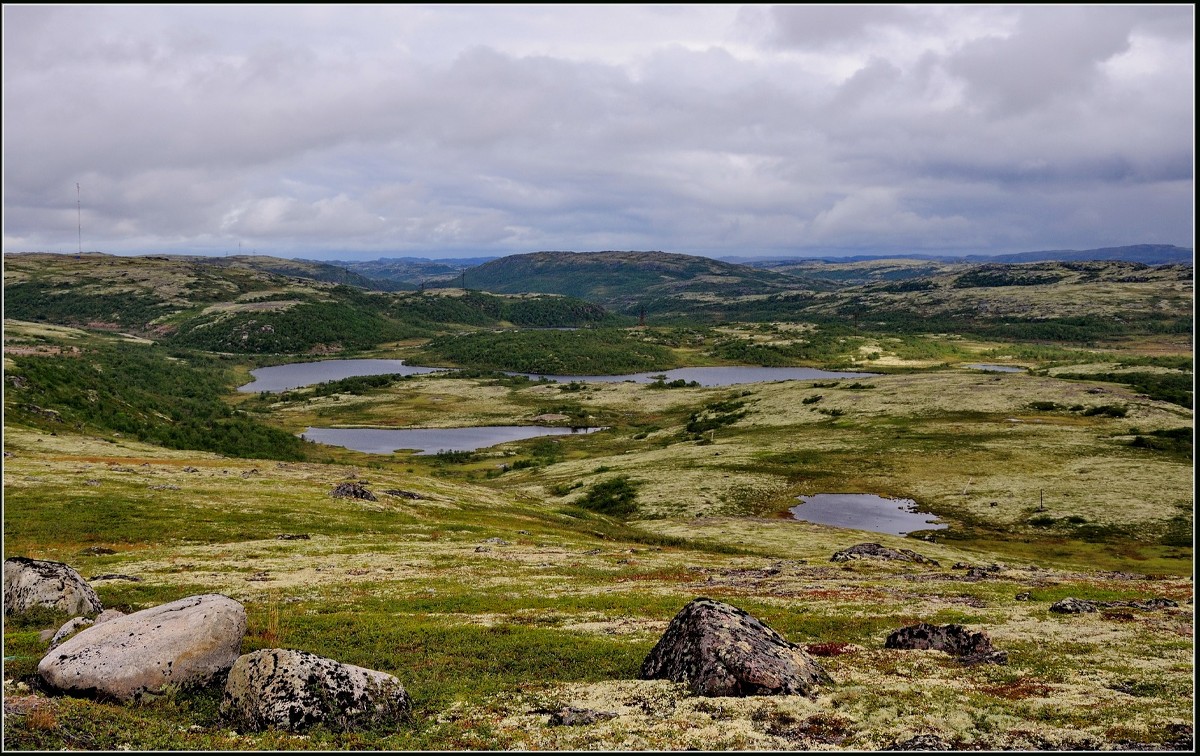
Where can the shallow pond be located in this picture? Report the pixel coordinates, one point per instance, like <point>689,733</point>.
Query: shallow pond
<point>864,512</point>
<point>998,368</point>
<point>431,440</point>
<point>297,374</point>
<point>712,376</point>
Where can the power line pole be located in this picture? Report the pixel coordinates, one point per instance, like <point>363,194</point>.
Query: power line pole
<point>79,219</point>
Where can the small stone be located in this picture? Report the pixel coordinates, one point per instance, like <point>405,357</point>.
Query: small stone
<point>68,629</point>
<point>570,716</point>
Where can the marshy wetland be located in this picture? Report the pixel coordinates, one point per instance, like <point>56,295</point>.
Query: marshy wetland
<point>503,584</point>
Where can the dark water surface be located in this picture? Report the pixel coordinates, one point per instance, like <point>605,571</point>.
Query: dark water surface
<point>297,374</point>
<point>864,512</point>
<point>432,440</point>
<point>998,368</point>
<point>712,376</point>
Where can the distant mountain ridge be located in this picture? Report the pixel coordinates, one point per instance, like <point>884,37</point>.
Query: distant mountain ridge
<point>1147,254</point>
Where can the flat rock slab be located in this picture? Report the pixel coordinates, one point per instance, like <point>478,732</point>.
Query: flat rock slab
<point>185,643</point>
<point>956,640</point>
<point>293,690</point>
<point>720,650</point>
<point>30,583</point>
<point>879,551</point>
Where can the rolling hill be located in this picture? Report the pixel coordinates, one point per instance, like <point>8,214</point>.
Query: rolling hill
<point>621,280</point>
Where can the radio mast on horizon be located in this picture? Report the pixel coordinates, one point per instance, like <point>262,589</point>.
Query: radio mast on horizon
<point>79,220</point>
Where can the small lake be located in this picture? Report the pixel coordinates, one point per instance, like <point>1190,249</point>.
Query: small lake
<point>998,368</point>
<point>432,440</point>
<point>297,374</point>
<point>712,376</point>
<point>865,512</point>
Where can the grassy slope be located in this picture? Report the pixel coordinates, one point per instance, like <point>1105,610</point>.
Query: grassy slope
<point>485,639</point>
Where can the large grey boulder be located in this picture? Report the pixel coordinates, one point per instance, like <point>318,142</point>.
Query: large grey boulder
<point>293,690</point>
<point>29,583</point>
<point>186,643</point>
<point>720,650</point>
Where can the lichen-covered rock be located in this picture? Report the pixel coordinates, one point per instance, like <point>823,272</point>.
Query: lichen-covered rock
<point>956,640</point>
<point>1072,605</point>
<point>293,690</point>
<point>352,491</point>
<point>720,650</point>
<point>879,551</point>
<point>571,716</point>
<point>185,643</point>
<point>37,582</point>
<point>921,743</point>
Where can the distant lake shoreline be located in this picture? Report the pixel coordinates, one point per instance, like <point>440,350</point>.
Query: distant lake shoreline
<point>426,441</point>
<point>299,374</point>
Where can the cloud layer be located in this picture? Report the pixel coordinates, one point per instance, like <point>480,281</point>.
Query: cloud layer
<point>446,130</point>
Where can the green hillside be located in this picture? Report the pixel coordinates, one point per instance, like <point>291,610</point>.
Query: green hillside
<point>235,307</point>
<point>620,280</point>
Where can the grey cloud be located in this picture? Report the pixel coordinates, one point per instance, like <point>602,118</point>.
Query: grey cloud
<point>820,26</point>
<point>322,128</point>
<point>1054,53</point>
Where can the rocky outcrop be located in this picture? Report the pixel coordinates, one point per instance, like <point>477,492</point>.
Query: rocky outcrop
<point>1071,605</point>
<point>293,690</point>
<point>570,716</point>
<point>879,551</point>
<point>956,640</point>
<point>185,643</point>
<point>35,582</point>
<point>352,491</point>
<point>921,743</point>
<point>720,650</point>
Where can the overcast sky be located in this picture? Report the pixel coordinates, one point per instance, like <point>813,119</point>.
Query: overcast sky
<point>442,130</point>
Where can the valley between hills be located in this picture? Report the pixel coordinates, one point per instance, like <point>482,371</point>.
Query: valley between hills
<point>505,585</point>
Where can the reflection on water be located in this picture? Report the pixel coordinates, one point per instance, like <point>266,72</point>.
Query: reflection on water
<point>712,376</point>
<point>297,374</point>
<point>998,368</point>
<point>431,440</point>
<point>864,512</point>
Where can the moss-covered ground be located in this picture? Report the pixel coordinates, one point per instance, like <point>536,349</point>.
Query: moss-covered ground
<point>497,597</point>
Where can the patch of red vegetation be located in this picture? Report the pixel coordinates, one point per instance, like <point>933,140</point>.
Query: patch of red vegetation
<point>673,576</point>
<point>841,594</point>
<point>830,649</point>
<point>1118,616</point>
<point>1017,689</point>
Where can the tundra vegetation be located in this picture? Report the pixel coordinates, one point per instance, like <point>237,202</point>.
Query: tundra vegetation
<point>505,585</point>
